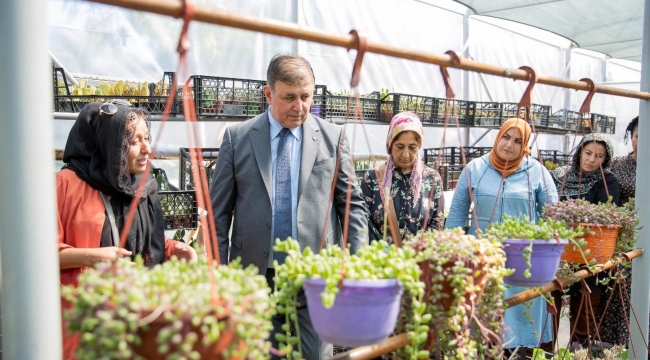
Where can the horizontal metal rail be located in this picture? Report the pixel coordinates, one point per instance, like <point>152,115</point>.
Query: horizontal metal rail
<point>290,30</point>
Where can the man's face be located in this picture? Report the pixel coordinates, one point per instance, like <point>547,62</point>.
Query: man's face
<point>290,103</point>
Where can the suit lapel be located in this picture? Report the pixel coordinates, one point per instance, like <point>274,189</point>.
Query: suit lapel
<point>311,139</point>
<point>261,142</point>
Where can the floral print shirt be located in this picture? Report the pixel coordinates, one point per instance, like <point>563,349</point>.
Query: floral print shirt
<point>624,168</point>
<point>410,216</point>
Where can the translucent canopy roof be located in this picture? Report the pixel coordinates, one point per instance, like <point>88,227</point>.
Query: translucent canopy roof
<point>614,28</point>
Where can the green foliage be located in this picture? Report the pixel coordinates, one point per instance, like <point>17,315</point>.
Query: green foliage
<point>467,325</point>
<point>109,301</point>
<point>617,352</point>
<point>576,211</point>
<point>512,227</point>
<point>550,165</point>
<point>375,261</point>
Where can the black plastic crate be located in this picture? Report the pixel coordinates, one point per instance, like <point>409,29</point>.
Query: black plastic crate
<point>452,155</point>
<point>611,125</point>
<point>458,110</point>
<point>74,103</point>
<point>449,175</point>
<point>539,114</point>
<point>447,155</point>
<point>556,121</point>
<point>395,103</point>
<point>575,120</point>
<point>320,101</point>
<point>486,114</point>
<point>603,123</point>
<point>227,97</point>
<point>338,106</point>
<point>185,166</point>
<point>179,209</point>
<point>555,156</point>
<point>474,152</point>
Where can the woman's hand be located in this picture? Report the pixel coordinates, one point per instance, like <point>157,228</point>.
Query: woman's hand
<point>184,251</point>
<point>80,257</point>
<point>108,254</point>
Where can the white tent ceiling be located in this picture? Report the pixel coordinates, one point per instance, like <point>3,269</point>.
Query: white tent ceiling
<point>610,27</point>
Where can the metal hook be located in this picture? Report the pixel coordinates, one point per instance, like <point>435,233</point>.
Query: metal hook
<point>526,100</point>
<point>360,42</point>
<point>445,74</point>
<point>586,105</point>
<point>188,14</point>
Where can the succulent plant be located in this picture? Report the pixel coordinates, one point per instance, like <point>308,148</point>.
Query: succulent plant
<point>111,300</point>
<point>463,267</point>
<point>375,261</point>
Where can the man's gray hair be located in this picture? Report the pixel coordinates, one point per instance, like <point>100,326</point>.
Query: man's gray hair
<point>285,68</point>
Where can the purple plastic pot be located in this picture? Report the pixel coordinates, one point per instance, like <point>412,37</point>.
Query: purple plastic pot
<point>544,261</point>
<point>364,312</point>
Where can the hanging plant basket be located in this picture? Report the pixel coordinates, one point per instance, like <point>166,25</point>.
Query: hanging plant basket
<point>478,276</point>
<point>601,241</point>
<point>364,311</point>
<point>544,260</point>
<point>148,347</point>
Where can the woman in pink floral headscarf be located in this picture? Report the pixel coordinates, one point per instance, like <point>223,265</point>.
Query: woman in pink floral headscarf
<point>416,189</point>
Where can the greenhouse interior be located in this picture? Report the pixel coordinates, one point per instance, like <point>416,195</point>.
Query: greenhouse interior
<point>512,232</point>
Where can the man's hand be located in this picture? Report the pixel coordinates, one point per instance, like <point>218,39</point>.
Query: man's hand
<point>184,251</point>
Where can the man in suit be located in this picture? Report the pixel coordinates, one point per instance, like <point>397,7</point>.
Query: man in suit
<point>274,173</point>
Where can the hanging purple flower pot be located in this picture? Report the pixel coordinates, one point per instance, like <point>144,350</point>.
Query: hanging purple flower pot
<point>364,312</point>
<point>544,261</point>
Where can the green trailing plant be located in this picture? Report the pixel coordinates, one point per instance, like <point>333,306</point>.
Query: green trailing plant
<point>617,352</point>
<point>373,262</point>
<point>512,227</point>
<point>111,304</point>
<point>464,291</point>
<point>577,211</point>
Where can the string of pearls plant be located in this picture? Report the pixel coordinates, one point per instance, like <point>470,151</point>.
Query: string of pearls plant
<point>111,299</point>
<point>375,261</point>
<point>465,296</point>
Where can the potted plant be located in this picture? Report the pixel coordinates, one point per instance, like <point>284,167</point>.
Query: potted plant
<point>617,352</point>
<point>124,310</point>
<point>353,300</point>
<point>607,228</point>
<point>463,277</point>
<point>533,250</point>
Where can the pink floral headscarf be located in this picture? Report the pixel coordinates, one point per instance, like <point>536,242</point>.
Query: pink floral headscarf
<point>404,121</point>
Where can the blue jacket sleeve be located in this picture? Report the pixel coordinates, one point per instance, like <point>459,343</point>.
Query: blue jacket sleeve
<point>460,203</point>
<point>547,192</point>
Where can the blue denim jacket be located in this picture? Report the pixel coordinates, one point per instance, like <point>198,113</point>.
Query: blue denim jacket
<point>525,192</point>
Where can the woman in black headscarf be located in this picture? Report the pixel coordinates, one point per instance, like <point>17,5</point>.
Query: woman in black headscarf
<point>583,178</point>
<point>105,157</point>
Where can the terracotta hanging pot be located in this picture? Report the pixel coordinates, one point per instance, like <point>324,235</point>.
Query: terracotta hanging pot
<point>601,241</point>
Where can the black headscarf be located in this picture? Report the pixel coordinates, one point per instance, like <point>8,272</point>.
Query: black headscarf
<point>577,182</point>
<point>97,150</point>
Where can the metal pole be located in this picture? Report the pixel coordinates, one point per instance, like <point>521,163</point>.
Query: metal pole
<point>641,266</point>
<point>31,318</point>
<point>290,30</point>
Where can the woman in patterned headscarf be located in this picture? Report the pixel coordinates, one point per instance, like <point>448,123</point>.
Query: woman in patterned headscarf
<point>616,301</point>
<point>583,178</point>
<point>508,181</point>
<point>415,188</point>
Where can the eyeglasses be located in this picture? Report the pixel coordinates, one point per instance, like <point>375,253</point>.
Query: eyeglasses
<point>110,107</point>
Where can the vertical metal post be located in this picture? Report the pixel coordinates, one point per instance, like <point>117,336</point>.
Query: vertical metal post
<point>641,265</point>
<point>465,74</point>
<point>31,318</point>
<point>567,95</point>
